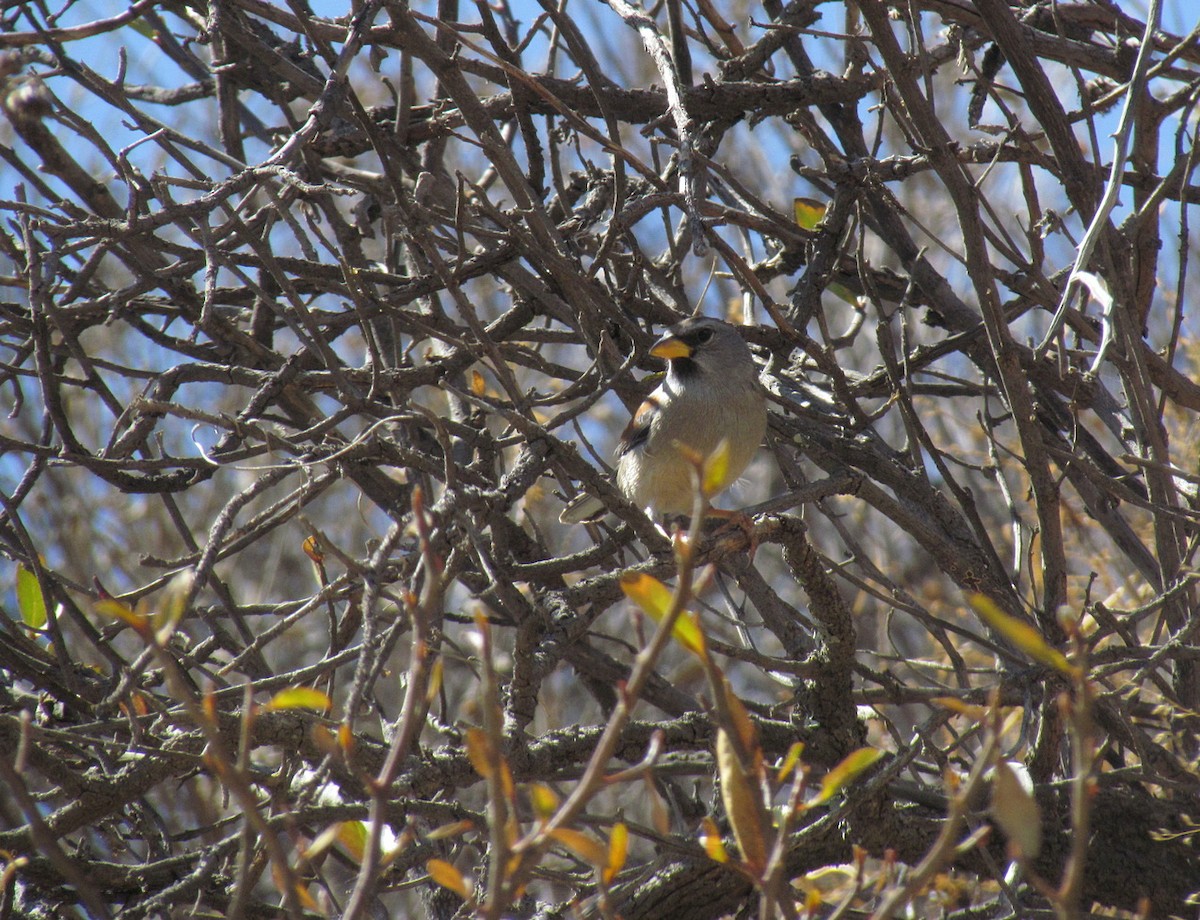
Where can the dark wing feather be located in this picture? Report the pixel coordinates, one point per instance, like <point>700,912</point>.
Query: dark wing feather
<point>637,432</point>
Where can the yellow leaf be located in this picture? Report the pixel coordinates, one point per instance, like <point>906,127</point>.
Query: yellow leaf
<point>312,549</point>
<point>321,844</point>
<point>790,761</point>
<point>827,880</point>
<point>299,698</point>
<point>589,849</point>
<point>682,545</point>
<point>403,842</point>
<point>715,473</point>
<point>448,877</point>
<point>711,840</point>
<point>618,849</point>
<point>173,605</point>
<point>208,705</point>
<point>1016,811</point>
<point>845,772</point>
<point>655,598</point>
<point>511,865</point>
<point>648,593</point>
<point>139,703</point>
<point>687,632</point>
<point>121,611</point>
<point>1021,635</point>
<point>280,877</point>
<point>1014,719</point>
<point>435,680</point>
<point>324,739</point>
<point>479,751</point>
<point>544,800</point>
<point>658,807</point>
<point>741,717</point>
<point>1037,576</point>
<point>808,212</point>
<point>738,795</point>
<point>352,835</point>
<point>970,710</point>
<point>507,786</point>
<point>307,901</point>
<point>453,829</point>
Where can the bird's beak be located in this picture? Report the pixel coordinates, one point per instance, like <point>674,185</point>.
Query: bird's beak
<point>669,347</point>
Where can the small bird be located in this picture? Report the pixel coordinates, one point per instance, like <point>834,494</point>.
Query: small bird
<point>710,393</point>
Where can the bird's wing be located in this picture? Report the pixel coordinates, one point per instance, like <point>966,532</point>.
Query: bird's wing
<point>637,432</point>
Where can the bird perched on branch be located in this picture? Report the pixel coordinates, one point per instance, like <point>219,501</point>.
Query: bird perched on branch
<point>710,393</point>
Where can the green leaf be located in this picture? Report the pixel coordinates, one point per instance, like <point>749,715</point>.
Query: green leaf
<point>808,212</point>
<point>843,293</point>
<point>30,600</point>
<point>143,28</point>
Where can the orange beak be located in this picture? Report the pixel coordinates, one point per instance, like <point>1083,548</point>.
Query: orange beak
<point>670,347</point>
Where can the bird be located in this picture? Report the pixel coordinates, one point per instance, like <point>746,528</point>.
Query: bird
<point>710,393</point>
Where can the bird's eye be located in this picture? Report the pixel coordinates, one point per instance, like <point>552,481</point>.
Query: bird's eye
<point>704,335</point>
